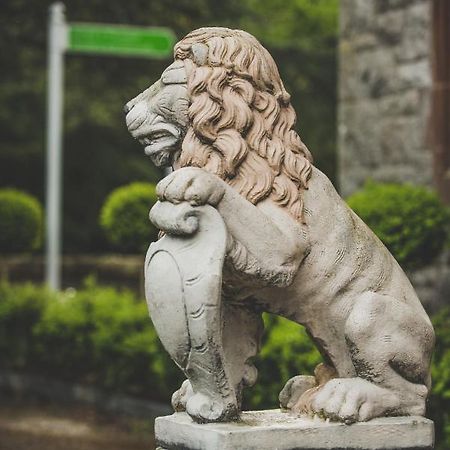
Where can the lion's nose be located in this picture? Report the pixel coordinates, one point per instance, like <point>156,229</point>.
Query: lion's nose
<point>127,108</point>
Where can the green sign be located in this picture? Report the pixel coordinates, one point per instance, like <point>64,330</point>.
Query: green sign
<point>119,40</point>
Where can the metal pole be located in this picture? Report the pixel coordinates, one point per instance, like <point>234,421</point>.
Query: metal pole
<point>56,46</point>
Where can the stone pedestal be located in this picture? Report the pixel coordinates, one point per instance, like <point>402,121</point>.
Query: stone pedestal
<point>276,430</point>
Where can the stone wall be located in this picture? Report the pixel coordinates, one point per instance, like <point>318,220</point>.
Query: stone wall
<point>385,85</point>
<point>432,284</point>
<point>384,92</point>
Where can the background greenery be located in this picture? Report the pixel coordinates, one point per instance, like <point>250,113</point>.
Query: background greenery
<point>411,221</point>
<point>124,217</point>
<point>21,222</point>
<point>103,337</point>
<point>99,154</point>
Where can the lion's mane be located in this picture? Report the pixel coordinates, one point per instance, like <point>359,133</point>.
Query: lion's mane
<point>240,118</point>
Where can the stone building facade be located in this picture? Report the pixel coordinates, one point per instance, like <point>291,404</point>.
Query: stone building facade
<point>385,91</point>
<point>394,106</point>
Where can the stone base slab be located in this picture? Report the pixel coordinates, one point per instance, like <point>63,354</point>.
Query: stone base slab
<point>277,430</point>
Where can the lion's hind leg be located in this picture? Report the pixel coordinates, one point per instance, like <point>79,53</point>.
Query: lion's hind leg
<point>390,345</point>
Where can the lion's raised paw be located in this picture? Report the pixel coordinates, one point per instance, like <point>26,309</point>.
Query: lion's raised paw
<point>193,185</point>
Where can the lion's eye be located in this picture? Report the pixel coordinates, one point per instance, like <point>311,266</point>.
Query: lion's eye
<point>159,135</point>
<point>153,137</point>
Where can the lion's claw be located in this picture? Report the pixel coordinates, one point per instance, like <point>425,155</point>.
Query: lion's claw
<point>352,400</point>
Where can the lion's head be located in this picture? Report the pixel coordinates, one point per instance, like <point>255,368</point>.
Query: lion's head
<point>222,106</point>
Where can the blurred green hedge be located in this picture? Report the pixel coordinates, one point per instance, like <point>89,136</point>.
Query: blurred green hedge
<point>21,221</point>
<point>95,335</point>
<point>439,404</point>
<point>104,337</point>
<point>124,217</point>
<point>410,220</point>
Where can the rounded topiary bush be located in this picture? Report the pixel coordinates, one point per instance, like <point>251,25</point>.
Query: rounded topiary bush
<point>410,220</point>
<point>124,217</point>
<point>21,221</point>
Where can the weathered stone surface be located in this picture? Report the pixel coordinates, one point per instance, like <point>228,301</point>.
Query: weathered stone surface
<point>269,430</point>
<point>399,104</point>
<point>416,35</point>
<point>250,225</point>
<point>384,93</point>
<point>389,26</point>
<point>415,74</point>
<point>387,5</point>
<point>355,15</point>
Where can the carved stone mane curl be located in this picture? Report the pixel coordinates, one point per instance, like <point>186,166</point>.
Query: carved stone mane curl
<point>240,118</point>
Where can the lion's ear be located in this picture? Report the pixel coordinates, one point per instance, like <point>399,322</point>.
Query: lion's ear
<point>199,54</point>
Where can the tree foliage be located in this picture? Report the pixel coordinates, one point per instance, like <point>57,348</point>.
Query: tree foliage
<point>20,222</point>
<point>99,154</point>
<point>124,217</point>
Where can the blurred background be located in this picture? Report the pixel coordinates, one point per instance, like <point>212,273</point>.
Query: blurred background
<point>370,81</point>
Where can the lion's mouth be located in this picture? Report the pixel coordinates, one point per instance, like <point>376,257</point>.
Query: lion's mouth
<point>161,143</point>
<point>160,148</point>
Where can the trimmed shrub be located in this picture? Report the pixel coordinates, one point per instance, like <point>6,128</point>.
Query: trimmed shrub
<point>21,221</point>
<point>410,220</point>
<point>21,307</point>
<point>124,217</point>
<point>101,336</point>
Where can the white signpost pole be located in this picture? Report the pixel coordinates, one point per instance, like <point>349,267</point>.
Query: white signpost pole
<point>57,43</point>
<point>148,42</point>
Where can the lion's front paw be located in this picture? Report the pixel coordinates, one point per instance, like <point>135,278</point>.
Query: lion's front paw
<point>192,185</point>
<point>203,408</point>
<point>353,400</point>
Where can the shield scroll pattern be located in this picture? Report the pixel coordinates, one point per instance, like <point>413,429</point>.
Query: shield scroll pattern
<point>183,285</point>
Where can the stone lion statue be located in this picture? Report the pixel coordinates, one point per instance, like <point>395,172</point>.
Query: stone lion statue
<point>251,226</point>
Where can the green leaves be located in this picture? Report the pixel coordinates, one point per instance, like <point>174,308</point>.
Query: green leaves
<point>21,221</point>
<point>439,404</point>
<point>124,217</point>
<point>308,25</point>
<point>410,220</point>
<point>21,307</point>
<point>95,335</point>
